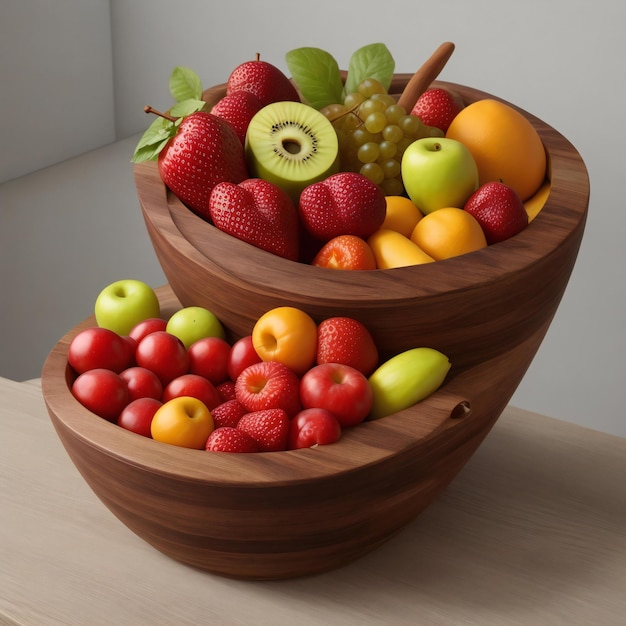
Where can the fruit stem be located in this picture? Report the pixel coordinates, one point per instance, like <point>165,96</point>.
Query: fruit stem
<point>149,109</point>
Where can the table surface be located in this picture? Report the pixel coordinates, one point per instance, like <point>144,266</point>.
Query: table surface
<point>532,531</point>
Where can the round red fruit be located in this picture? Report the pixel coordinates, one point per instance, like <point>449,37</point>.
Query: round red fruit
<point>102,391</point>
<point>338,388</point>
<point>313,427</point>
<point>142,383</point>
<point>164,354</point>
<point>97,347</point>
<point>137,415</point>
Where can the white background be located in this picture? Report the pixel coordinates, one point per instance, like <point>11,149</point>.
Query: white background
<point>102,61</point>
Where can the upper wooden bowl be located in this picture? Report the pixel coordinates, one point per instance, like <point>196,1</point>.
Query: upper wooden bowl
<point>471,307</point>
<point>285,514</point>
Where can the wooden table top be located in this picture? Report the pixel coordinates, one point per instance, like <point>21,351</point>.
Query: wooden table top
<point>532,531</point>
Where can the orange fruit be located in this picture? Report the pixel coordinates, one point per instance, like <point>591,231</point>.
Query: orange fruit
<point>504,144</point>
<point>402,215</point>
<point>447,233</point>
<point>346,252</point>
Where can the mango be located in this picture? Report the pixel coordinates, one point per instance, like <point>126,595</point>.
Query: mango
<point>392,249</point>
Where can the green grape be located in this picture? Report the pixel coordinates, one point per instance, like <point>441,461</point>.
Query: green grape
<point>374,172</point>
<point>369,87</point>
<point>361,136</point>
<point>404,143</point>
<point>388,149</point>
<point>375,122</point>
<point>392,133</point>
<point>333,111</point>
<point>410,125</point>
<point>350,121</point>
<point>370,106</point>
<point>392,187</point>
<point>385,98</point>
<point>391,168</point>
<point>394,113</point>
<point>368,152</point>
<point>353,100</point>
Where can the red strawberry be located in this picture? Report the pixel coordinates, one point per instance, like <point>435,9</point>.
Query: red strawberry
<point>499,210</point>
<point>226,390</point>
<point>204,151</point>
<point>238,109</point>
<point>258,212</point>
<point>269,428</point>
<point>436,107</point>
<point>346,203</point>
<point>228,413</point>
<point>269,385</point>
<point>230,439</point>
<point>348,341</point>
<point>262,79</point>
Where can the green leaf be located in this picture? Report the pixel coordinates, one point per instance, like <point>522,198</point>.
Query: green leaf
<point>185,84</point>
<point>148,153</point>
<point>187,107</point>
<point>153,140</point>
<point>371,61</point>
<point>316,74</point>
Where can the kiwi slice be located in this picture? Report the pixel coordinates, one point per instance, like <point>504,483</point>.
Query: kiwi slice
<point>291,145</point>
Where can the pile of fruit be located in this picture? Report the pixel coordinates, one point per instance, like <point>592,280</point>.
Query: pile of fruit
<point>291,383</point>
<point>313,167</point>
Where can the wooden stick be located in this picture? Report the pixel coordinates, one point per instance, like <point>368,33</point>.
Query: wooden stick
<point>421,80</point>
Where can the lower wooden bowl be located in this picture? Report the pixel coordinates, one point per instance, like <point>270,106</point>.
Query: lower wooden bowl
<point>283,514</point>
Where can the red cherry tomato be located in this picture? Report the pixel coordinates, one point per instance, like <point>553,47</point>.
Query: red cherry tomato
<point>99,348</point>
<point>164,354</point>
<point>101,391</point>
<point>137,415</point>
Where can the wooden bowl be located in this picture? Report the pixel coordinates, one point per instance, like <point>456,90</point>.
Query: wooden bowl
<point>287,514</point>
<point>282,515</point>
<point>471,307</point>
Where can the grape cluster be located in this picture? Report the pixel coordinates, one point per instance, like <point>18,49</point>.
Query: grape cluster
<point>373,133</point>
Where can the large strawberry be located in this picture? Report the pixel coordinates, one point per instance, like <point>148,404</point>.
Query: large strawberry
<point>262,79</point>
<point>437,107</point>
<point>346,203</point>
<point>348,341</point>
<point>204,151</point>
<point>499,210</point>
<point>269,428</point>
<point>258,212</point>
<point>228,413</point>
<point>238,108</point>
<point>268,385</point>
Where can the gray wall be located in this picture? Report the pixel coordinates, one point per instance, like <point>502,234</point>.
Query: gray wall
<point>561,60</point>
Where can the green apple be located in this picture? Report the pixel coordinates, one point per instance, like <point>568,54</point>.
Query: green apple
<point>194,322</point>
<point>407,378</point>
<point>124,303</point>
<point>438,172</point>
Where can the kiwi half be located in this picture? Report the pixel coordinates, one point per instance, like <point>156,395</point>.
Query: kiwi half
<point>291,145</point>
